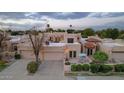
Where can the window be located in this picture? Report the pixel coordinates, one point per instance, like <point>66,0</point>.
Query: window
<point>15,48</point>
<point>72,54</point>
<point>70,40</point>
<point>89,52</point>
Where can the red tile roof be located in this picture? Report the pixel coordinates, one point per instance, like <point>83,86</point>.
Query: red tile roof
<point>90,45</point>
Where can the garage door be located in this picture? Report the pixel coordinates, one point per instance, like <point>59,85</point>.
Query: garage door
<point>54,56</point>
<point>118,56</point>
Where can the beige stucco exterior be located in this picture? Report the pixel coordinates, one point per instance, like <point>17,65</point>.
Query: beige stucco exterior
<point>59,48</point>
<point>53,51</point>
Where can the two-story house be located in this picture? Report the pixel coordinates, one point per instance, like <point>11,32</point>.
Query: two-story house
<point>57,46</point>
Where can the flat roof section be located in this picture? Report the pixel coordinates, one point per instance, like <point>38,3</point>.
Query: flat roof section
<point>111,45</point>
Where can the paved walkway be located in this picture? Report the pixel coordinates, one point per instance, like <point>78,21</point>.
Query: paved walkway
<point>17,70</point>
<point>47,71</point>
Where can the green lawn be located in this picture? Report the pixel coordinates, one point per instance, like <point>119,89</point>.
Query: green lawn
<point>2,67</point>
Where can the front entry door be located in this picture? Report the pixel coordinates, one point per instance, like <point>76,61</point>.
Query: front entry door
<point>89,52</point>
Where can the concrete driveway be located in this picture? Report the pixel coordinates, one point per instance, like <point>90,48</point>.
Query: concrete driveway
<point>47,71</point>
<point>51,70</point>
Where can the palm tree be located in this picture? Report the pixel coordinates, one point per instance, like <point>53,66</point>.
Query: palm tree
<point>70,26</point>
<point>48,28</point>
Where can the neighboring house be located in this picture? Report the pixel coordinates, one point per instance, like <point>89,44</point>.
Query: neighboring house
<point>14,41</point>
<point>114,48</point>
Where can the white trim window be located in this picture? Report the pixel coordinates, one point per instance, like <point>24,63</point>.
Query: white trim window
<point>72,54</point>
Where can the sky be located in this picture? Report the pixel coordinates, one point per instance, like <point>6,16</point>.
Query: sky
<point>61,20</point>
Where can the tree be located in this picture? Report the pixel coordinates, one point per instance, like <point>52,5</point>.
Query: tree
<point>114,33</point>
<point>37,43</point>
<point>100,56</point>
<point>70,26</point>
<point>60,30</point>
<point>87,32</point>
<point>101,34</point>
<point>121,36</point>
<point>49,29</point>
<point>70,30</point>
<point>14,33</point>
<point>108,32</point>
<point>3,37</point>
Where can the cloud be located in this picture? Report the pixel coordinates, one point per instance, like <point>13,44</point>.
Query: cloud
<point>64,23</point>
<point>20,24</point>
<point>99,19</point>
<point>82,22</point>
<point>21,21</point>
<point>98,14</point>
<point>65,13</point>
<point>30,14</point>
<point>105,14</point>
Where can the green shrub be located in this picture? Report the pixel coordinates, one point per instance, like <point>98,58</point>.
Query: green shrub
<point>105,68</point>
<point>85,67</point>
<point>76,67</point>
<point>94,68</point>
<point>73,67</point>
<point>2,62</point>
<point>67,63</point>
<point>119,68</point>
<point>100,56</point>
<point>79,67</point>
<point>17,56</point>
<point>32,67</point>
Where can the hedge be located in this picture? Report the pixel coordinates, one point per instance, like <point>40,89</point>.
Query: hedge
<point>105,68</point>
<point>94,68</point>
<point>80,67</point>
<point>74,67</point>
<point>85,67</point>
<point>119,68</point>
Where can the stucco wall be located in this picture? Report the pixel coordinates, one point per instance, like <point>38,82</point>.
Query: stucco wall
<point>75,47</point>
